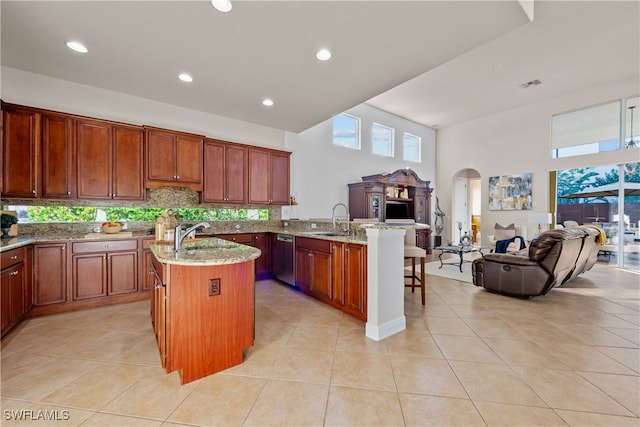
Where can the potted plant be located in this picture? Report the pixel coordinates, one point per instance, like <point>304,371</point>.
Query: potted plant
<point>6,221</point>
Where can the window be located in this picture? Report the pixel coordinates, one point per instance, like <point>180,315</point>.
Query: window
<point>346,131</point>
<point>381,140</point>
<point>596,129</point>
<point>39,214</point>
<point>411,148</point>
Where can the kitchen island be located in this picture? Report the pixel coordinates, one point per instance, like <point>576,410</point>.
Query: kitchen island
<point>202,305</point>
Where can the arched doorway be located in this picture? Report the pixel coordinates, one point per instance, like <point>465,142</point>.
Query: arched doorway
<point>466,205</point>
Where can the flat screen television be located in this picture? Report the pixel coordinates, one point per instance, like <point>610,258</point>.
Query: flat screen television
<point>397,210</point>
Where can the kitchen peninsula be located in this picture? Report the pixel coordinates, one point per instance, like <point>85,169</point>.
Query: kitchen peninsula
<point>202,305</point>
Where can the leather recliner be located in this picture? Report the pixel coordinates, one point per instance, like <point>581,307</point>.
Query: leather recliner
<point>554,257</point>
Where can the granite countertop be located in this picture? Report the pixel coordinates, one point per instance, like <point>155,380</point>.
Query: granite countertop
<point>203,252</point>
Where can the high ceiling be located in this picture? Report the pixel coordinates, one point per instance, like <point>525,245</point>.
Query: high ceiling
<point>434,62</point>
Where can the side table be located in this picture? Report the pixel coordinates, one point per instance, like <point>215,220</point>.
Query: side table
<point>460,251</point>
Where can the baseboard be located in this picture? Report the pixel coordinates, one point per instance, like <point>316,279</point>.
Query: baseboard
<point>380,332</point>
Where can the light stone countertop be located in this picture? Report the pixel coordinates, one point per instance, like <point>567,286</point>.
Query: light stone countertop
<point>204,252</point>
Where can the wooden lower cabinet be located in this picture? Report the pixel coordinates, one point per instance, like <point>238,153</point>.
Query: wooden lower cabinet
<point>199,332</point>
<point>333,272</point>
<point>15,284</point>
<point>85,273</point>
<point>50,274</point>
<point>104,268</point>
<point>259,241</point>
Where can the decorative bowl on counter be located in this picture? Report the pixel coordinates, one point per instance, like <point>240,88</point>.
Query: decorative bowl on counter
<point>111,227</point>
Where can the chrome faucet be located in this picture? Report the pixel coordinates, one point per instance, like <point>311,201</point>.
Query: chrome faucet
<point>335,219</point>
<point>180,235</point>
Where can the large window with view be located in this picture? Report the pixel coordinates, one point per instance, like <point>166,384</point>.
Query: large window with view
<point>346,131</point>
<point>607,127</point>
<point>44,214</point>
<point>411,148</point>
<point>382,140</point>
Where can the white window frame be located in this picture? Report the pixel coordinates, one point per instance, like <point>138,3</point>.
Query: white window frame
<point>391,136</point>
<point>356,131</point>
<point>418,140</point>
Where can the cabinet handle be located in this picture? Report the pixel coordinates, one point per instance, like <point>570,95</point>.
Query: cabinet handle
<point>178,177</point>
<point>14,257</point>
<point>106,246</point>
<point>68,193</point>
<point>14,273</point>
<point>33,191</point>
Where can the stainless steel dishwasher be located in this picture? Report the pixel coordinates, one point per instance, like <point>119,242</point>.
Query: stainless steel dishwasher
<point>284,259</point>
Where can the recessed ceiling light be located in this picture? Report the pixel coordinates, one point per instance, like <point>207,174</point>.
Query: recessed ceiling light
<point>222,5</point>
<point>77,46</point>
<point>323,54</point>
<point>185,77</point>
<point>268,102</point>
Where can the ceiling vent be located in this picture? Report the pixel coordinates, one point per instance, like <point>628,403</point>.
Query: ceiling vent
<point>528,84</point>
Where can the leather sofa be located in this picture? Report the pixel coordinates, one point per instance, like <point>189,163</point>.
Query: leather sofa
<point>553,258</point>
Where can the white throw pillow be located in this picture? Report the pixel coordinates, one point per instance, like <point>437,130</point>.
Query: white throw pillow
<point>502,232</point>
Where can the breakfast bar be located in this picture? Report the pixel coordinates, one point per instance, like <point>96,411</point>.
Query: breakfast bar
<point>202,305</point>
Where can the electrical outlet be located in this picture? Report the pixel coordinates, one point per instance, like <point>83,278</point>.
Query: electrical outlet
<point>214,287</point>
<point>286,224</point>
<point>313,226</point>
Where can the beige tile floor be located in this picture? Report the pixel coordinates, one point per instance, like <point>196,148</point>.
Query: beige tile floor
<point>469,357</point>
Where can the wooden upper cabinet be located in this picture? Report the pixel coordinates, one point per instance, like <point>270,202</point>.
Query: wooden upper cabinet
<point>109,159</point>
<point>58,169</point>
<point>225,173</point>
<point>21,151</point>
<point>174,159</point>
<point>128,161</point>
<point>268,177</point>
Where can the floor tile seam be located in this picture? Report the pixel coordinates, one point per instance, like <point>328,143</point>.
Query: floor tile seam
<point>596,348</point>
<point>107,403</point>
<point>631,410</point>
<point>556,410</point>
<point>71,357</point>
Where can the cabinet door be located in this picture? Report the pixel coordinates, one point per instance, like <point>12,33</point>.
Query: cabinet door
<point>303,269</point>
<point>122,272</point>
<point>128,158</point>
<point>189,159</point>
<point>355,280</point>
<point>147,273</point>
<point>214,173</point>
<point>161,155</point>
<point>16,291</point>
<point>94,158</point>
<point>20,146</point>
<point>258,177</point>
<point>337,272</point>
<point>89,276</point>
<point>28,279</point>
<point>12,287</point>
<point>50,273</point>
<point>320,284</point>
<point>58,170</point>
<point>279,179</point>
<point>261,241</point>
<point>5,300</point>
<point>236,174</point>
<point>225,176</point>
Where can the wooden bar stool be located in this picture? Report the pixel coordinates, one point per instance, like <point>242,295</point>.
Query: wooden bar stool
<point>411,250</point>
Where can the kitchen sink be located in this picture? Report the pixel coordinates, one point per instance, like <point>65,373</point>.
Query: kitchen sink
<point>321,233</point>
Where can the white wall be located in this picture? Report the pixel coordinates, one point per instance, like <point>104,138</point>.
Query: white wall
<point>519,141</point>
<point>321,171</point>
<point>20,87</point>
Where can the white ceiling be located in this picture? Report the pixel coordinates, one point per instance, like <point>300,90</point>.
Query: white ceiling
<point>433,62</point>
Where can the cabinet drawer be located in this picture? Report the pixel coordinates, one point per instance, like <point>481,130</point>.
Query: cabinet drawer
<point>105,246</point>
<point>12,257</point>
<point>317,245</point>
<point>243,238</point>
